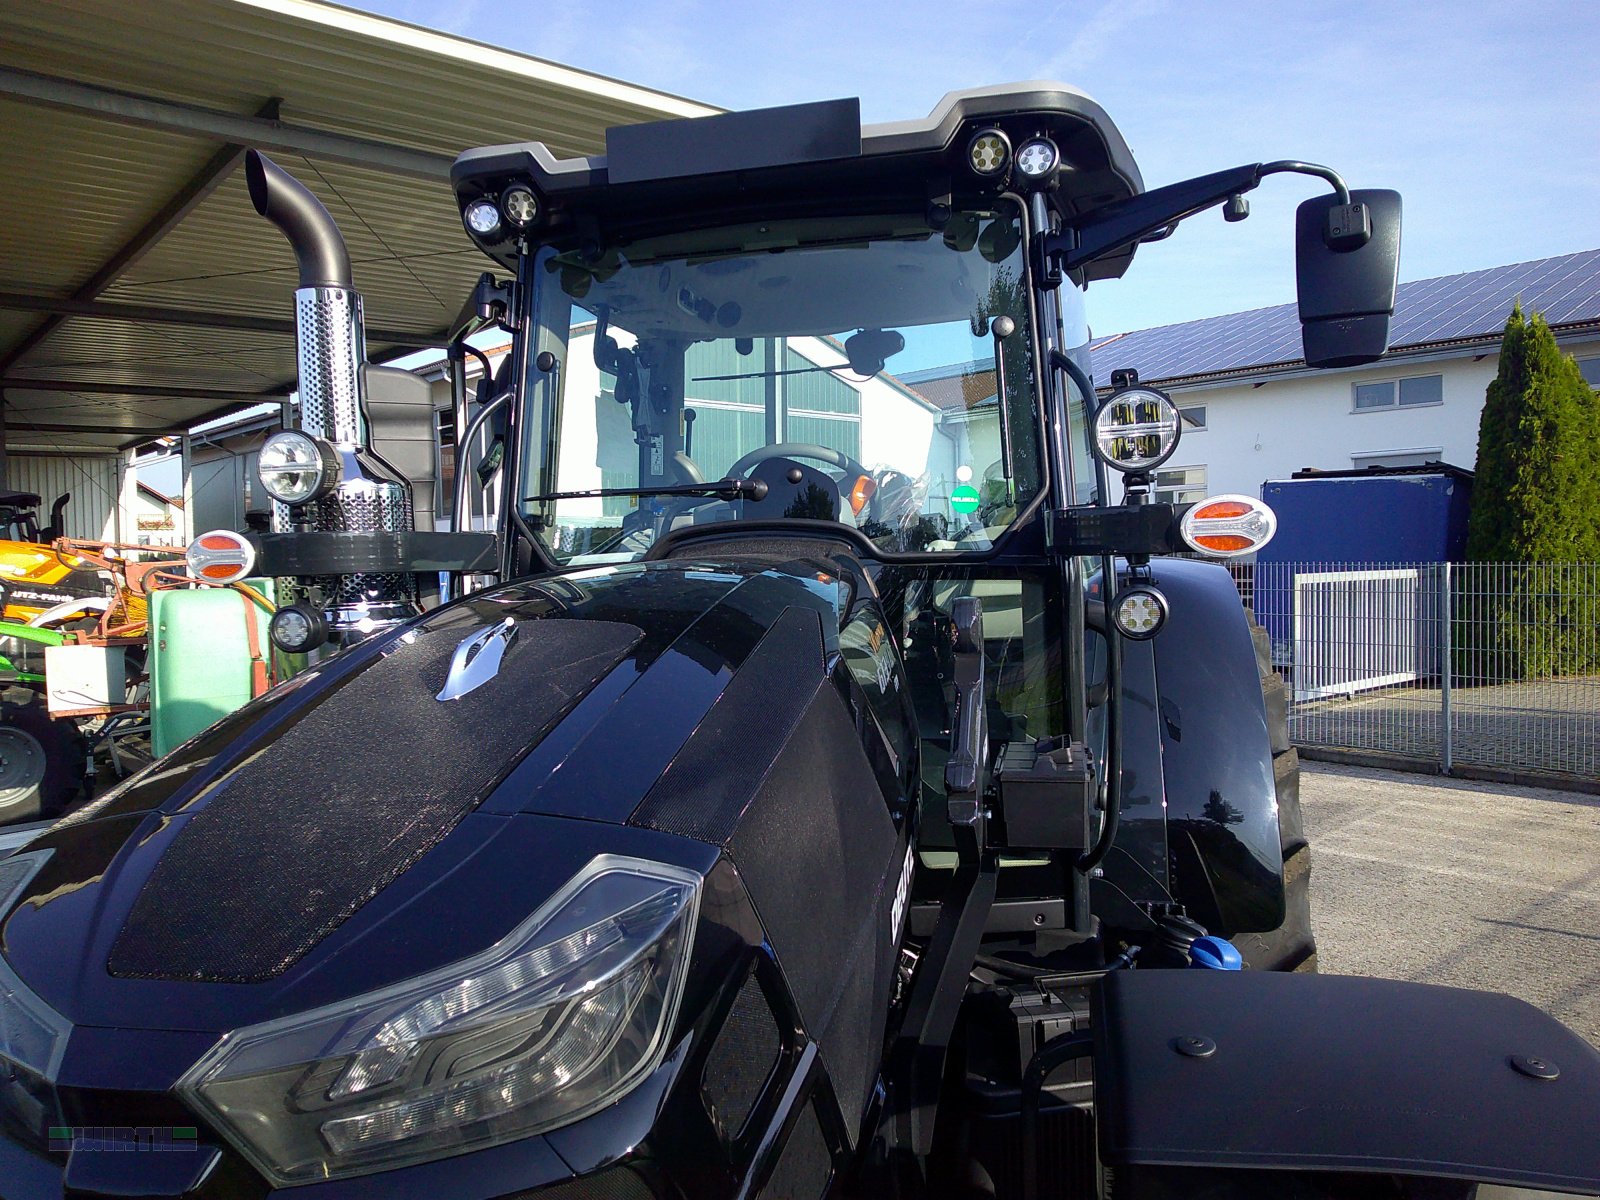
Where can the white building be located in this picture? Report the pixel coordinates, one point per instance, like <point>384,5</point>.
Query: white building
<point>1254,411</point>
<point>158,517</point>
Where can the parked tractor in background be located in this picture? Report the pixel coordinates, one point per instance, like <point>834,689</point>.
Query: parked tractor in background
<point>87,693</point>
<point>831,790</point>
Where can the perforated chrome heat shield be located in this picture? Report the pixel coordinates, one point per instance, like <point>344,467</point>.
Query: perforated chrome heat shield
<point>332,349</point>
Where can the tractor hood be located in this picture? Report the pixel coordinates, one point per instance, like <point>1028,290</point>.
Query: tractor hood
<point>402,805</point>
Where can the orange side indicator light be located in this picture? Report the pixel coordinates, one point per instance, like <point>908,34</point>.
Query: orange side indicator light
<point>1228,526</point>
<point>220,556</point>
<point>1209,510</point>
<point>862,492</point>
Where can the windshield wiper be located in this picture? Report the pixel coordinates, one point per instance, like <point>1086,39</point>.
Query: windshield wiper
<point>722,489</point>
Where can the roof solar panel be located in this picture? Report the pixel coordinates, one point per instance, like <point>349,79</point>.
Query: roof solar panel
<point>1566,289</point>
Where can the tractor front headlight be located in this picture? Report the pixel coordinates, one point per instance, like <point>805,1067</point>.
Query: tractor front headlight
<point>296,468</point>
<point>559,1019</point>
<point>33,1036</point>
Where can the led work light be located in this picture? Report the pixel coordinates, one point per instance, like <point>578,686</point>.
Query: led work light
<point>520,205</point>
<point>297,629</point>
<point>989,152</point>
<point>1037,158</point>
<point>1139,612</point>
<point>296,468</point>
<point>1136,429</point>
<point>483,217</point>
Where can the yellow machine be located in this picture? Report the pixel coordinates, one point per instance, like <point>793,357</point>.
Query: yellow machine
<point>36,577</point>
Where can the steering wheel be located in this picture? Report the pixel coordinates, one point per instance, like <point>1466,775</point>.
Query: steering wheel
<point>827,454</point>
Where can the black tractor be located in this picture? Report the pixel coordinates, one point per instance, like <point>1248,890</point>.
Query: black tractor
<point>834,774</point>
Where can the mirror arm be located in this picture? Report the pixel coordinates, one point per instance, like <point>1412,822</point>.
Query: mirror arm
<point>1126,222</point>
<point>1296,167</point>
<point>1156,212</point>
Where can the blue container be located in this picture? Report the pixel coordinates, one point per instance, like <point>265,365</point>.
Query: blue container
<point>1382,515</point>
<point>1390,515</point>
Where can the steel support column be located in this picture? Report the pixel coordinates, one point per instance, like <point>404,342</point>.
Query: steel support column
<point>91,387</point>
<point>149,314</point>
<point>265,133</point>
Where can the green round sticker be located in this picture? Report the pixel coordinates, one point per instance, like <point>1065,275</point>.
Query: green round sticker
<point>964,498</point>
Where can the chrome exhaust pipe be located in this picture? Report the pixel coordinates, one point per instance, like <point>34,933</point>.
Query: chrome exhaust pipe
<point>331,348</point>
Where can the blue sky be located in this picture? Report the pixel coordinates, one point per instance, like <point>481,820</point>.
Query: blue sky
<point>1482,115</point>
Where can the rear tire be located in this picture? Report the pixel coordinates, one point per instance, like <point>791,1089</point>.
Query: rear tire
<point>1292,946</point>
<point>42,761</point>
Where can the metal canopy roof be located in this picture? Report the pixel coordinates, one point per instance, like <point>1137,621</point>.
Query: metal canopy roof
<point>139,292</point>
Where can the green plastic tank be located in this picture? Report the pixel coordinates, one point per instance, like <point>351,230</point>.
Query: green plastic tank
<point>199,658</point>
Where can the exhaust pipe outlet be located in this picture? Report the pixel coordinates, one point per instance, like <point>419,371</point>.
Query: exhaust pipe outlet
<point>282,199</point>
<point>331,351</point>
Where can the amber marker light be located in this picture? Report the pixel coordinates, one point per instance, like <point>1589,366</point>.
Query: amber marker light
<point>220,556</point>
<point>1228,526</point>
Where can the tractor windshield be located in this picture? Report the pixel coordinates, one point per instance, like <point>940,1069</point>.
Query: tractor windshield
<point>855,365</point>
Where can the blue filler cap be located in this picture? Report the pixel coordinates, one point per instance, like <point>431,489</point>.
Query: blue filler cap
<point>1215,954</point>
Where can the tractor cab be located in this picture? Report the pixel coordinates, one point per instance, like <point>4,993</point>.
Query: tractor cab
<point>19,517</point>
<point>737,333</point>
<point>776,378</point>
<point>847,335</point>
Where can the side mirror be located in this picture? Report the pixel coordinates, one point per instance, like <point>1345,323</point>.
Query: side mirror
<point>1346,281</point>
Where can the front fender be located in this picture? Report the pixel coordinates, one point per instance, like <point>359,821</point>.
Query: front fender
<point>1201,690</point>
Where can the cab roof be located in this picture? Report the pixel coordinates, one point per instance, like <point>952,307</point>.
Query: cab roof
<point>803,159</point>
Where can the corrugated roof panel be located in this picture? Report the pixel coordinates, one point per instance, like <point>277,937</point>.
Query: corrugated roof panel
<point>153,355</point>
<point>338,70</point>
<point>99,410</point>
<point>412,262</point>
<point>81,185</point>
<point>77,189</point>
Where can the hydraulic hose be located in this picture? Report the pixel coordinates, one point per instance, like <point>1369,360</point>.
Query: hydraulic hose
<point>1113,806</point>
<point>319,248</point>
<point>1108,582</point>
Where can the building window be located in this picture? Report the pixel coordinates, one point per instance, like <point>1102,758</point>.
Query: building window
<point>1194,417</point>
<point>1179,485</point>
<point>1591,371</point>
<point>1396,458</point>
<point>1411,392</point>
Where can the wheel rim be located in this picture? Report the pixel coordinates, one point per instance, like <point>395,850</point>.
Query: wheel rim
<point>22,764</point>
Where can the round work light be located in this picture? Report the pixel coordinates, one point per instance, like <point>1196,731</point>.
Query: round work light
<point>1038,158</point>
<point>989,152</point>
<point>520,205</point>
<point>1139,612</point>
<point>297,629</point>
<point>295,467</point>
<point>483,217</point>
<point>1136,429</point>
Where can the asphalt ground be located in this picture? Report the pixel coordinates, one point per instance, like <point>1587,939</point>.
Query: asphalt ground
<point>1455,882</point>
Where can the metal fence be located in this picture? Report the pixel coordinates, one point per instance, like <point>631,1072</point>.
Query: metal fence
<point>1493,665</point>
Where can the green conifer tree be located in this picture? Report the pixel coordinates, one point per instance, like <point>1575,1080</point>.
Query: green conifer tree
<point>1536,500</point>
